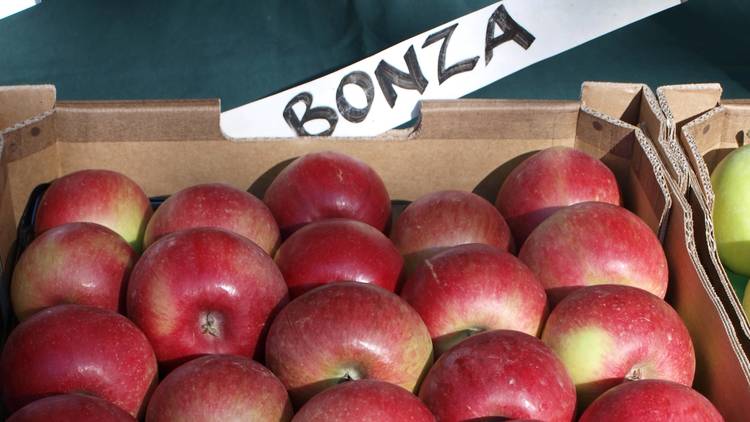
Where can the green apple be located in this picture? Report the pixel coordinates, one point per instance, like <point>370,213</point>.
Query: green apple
<point>746,301</point>
<point>731,211</point>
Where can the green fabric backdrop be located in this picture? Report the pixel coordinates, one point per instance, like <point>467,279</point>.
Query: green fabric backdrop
<point>243,50</point>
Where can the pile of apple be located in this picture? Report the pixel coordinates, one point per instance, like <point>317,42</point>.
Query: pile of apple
<point>219,306</point>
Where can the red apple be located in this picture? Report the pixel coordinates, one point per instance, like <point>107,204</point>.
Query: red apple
<point>215,205</point>
<point>82,263</point>
<point>473,288</point>
<point>500,373</point>
<point>202,291</point>
<point>76,348</point>
<point>96,196</point>
<point>609,333</point>
<point>651,400</point>
<point>364,400</point>
<point>443,219</point>
<point>347,331</point>
<point>324,185</point>
<point>595,243</point>
<point>220,388</point>
<point>71,408</point>
<point>550,180</point>
<point>338,250</point>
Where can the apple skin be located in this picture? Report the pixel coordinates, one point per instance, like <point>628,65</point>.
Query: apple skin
<point>77,348</point>
<point>501,373</point>
<point>439,220</point>
<point>364,400</point>
<point>343,331</point>
<point>651,400</point>
<point>549,180</point>
<point>731,209</point>
<point>325,185</point>
<point>473,288</point>
<point>338,250</point>
<point>71,408</point>
<point>204,291</point>
<point>595,243</point>
<point>82,263</point>
<point>220,388</point>
<point>215,205</point>
<point>609,333</point>
<point>96,196</point>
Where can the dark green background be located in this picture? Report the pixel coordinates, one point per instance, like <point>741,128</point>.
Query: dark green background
<point>242,50</point>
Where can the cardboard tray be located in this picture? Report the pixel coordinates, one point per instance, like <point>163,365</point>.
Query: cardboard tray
<point>467,144</point>
<point>708,128</point>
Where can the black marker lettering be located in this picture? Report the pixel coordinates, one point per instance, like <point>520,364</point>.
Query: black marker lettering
<point>349,112</point>
<point>388,76</point>
<point>462,66</point>
<point>512,31</point>
<point>326,113</point>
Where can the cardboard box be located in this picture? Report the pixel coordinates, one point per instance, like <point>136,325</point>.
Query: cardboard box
<point>467,144</point>
<point>708,128</point>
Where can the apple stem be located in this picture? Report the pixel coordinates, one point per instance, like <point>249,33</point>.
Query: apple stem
<point>634,375</point>
<point>210,326</point>
<point>350,375</point>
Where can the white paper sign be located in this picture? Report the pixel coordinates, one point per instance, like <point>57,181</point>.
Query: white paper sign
<point>382,91</point>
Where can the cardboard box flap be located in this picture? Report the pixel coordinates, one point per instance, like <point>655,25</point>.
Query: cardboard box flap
<point>713,135</point>
<point>633,158</point>
<point>681,103</point>
<point>619,100</point>
<point>497,119</point>
<point>114,121</point>
<point>705,133</point>
<point>722,368</point>
<point>637,105</point>
<point>23,102</point>
<point>737,127</point>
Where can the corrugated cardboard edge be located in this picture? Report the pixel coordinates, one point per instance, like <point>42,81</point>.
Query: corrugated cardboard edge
<point>21,102</point>
<point>654,160</point>
<point>696,158</point>
<point>672,150</point>
<point>707,96</point>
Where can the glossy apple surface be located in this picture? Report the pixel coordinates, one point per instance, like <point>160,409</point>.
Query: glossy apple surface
<point>338,250</point>
<point>443,219</point>
<point>364,400</point>
<point>204,291</point>
<point>347,331</point>
<point>96,196</point>
<point>731,210</point>
<point>549,180</point>
<point>71,408</point>
<point>609,333</point>
<point>82,263</point>
<point>472,288</point>
<point>76,348</point>
<point>651,400</point>
<point>215,205</point>
<point>325,185</point>
<point>500,373</point>
<point>595,243</point>
<point>220,388</point>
